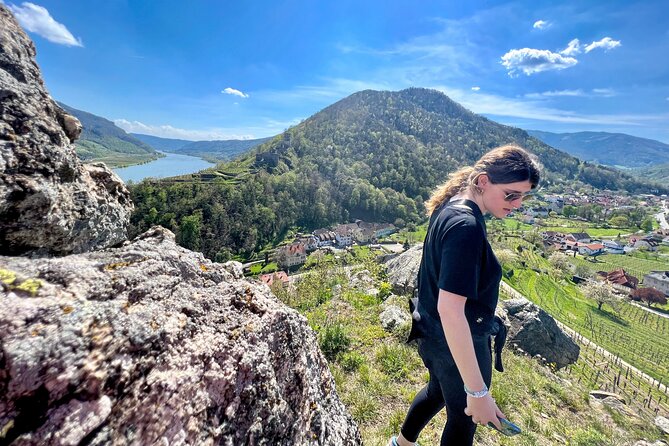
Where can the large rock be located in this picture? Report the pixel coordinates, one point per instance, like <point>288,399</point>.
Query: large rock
<point>662,423</point>
<point>50,203</point>
<point>536,333</point>
<point>403,270</point>
<point>150,343</point>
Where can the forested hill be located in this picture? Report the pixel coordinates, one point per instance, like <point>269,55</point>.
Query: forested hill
<point>409,140</point>
<point>373,155</point>
<point>102,140</point>
<point>216,150</point>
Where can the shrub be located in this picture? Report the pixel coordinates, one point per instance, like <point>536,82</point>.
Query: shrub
<point>351,361</point>
<point>333,340</point>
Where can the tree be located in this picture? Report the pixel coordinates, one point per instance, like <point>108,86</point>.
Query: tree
<point>650,296</point>
<point>601,293</point>
<point>189,231</point>
<point>582,271</point>
<point>619,221</point>
<point>559,261</point>
<point>647,224</point>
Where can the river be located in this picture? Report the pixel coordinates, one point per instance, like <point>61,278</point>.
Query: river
<point>169,166</point>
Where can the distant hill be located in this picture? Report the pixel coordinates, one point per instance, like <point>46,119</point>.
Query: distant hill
<point>102,140</point>
<point>217,150</point>
<point>613,149</point>
<point>659,173</point>
<point>375,155</point>
<point>164,144</point>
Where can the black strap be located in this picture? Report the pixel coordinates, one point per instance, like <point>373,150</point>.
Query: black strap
<point>500,331</point>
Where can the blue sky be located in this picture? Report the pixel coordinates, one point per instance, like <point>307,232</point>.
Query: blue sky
<point>249,69</point>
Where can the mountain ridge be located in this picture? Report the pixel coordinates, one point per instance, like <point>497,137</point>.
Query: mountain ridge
<point>102,140</point>
<point>612,149</point>
<point>212,150</point>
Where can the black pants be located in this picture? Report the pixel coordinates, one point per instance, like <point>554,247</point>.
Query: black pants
<point>445,389</point>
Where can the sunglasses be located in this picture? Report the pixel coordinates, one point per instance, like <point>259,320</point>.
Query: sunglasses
<point>516,195</point>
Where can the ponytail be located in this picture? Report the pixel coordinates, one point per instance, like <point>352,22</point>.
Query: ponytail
<point>457,181</point>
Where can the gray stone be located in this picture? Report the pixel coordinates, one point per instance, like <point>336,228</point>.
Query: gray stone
<point>151,343</point>
<point>403,270</point>
<point>393,317</point>
<point>536,333</point>
<point>662,423</point>
<point>50,203</point>
<point>603,394</point>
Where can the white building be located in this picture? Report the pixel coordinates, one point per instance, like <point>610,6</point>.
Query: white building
<point>658,280</point>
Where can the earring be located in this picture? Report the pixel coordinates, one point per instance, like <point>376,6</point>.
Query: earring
<point>478,189</point>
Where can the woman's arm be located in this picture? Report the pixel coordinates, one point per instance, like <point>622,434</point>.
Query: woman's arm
<point>451,309</point>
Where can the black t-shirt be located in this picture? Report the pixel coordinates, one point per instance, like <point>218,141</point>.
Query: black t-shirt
<point>457,258</point>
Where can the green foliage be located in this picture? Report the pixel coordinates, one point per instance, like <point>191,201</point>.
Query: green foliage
<point>189,231</point>
<point>647,224</point>
<point>333,340</point>
<point>394,360</point>
<point>385,290</point>
<point>351,361</point>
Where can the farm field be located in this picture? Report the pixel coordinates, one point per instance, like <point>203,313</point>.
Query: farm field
<point>637,336</point>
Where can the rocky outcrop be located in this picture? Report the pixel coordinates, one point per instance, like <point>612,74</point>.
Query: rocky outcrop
<point>150,343</point>
<point>143,343</point>
<point>403,270</point>
<point>535,332</point>
<point>50,203</point>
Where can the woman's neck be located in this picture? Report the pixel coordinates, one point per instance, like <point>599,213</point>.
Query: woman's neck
<point>476,198</point>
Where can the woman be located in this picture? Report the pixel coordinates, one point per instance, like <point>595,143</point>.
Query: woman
<point>458,285</point>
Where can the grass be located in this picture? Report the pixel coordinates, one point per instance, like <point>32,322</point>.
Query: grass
<point>377,375</point>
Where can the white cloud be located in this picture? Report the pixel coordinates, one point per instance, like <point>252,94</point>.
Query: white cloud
<point>234,92</point>
<point>595,92</point>
<point>541,24</point>
<point>36,19</point>
<point>605,92</point>
<point>530,61</point>
<point>476,88</point>
<point>490,104</point>
<point>607,43</point>
<point>168,131</point>
<point>555,93</point>
<point>573,48</point>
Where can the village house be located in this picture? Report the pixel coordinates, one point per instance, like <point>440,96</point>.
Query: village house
<point>310,242</point>
<point>612,247</point>
<point>581,237</point>
<point>325,237</point>
<point>555,202</point>
<point>538,212</point>
<point>276,277</point>
<point>658,280</point>
<point>620,280</point>
<point>590,249</point>
<point>637,242</point>
<point>291,255</point>
<point>345,234</point>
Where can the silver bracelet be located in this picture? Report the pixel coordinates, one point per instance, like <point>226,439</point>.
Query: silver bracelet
<point>479,394</point>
